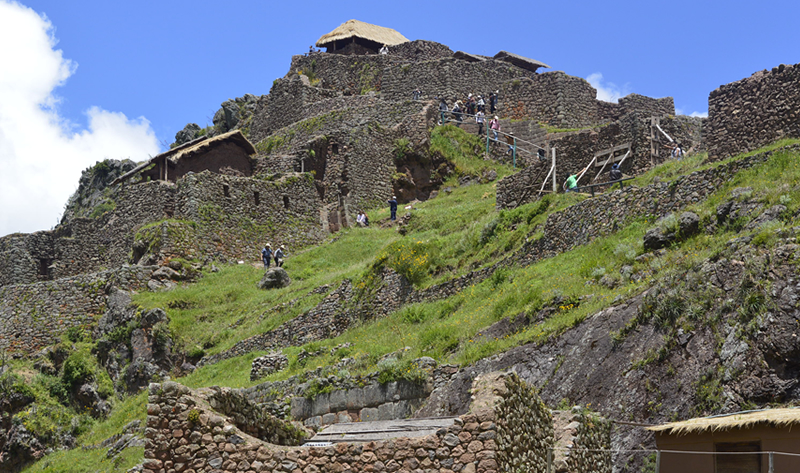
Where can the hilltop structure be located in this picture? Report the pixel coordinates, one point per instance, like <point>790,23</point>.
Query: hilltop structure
<point>357,37</point>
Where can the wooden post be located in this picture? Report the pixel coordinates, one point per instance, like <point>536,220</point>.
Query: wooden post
<point>658,462</point>
<point>653,152</point>
<point>771,462</point>
<point>555,184</point>
<point>549,460</point>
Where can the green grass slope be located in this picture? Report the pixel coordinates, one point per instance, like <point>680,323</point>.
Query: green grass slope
<point>447,236</point>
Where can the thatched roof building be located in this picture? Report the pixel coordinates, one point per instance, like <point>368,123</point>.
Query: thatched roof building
<point>226,153</point>
<point>357,37</point>
<point>731,443</point>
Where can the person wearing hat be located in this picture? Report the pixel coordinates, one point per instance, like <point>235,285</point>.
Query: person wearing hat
<point>510,142</point>
<point>481,103</point>
<point>480,119</point>
<point>279,255</point>
<point>392,208</point>
<point>266,255</point>
<point>615,174</point>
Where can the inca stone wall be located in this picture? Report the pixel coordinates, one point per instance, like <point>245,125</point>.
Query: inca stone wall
<point>186,433</point>
<point>554,98</point>
<point>33,316</point>
<point>450,78</point>
<point>635,103</point>
<point>193,218</point>
<point>574,150</point>
<point>753,112</point>
<point>583,222</point>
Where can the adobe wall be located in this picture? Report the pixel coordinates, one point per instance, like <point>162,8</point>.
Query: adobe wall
<point>508,429</point>
<point>33,316</point>
<point>753,112</point>
<point>574,150</point>
<point>228,154</point>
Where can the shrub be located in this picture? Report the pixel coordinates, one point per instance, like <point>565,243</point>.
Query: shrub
<point>410,258</point>
<point>392,369</point>
<point>77,369</point>
<point>193,416</point>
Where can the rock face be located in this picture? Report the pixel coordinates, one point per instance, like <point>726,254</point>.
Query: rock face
<point>188,133</point>
<point>275,278</point>
<point>89,197</point>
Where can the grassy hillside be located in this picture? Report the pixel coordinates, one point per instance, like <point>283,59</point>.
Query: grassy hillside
<point>458,231</point>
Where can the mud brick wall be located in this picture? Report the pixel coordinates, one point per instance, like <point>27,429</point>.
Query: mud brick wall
<point>554,98</point>
<point>450,78</point>
<point>33,316</point>
<point>753,112</point>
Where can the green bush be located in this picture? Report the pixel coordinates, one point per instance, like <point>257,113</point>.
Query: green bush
<point>411,258</point>
<point>78,369</point>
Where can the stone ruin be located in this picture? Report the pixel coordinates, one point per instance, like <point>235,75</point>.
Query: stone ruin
<point>507,428</point>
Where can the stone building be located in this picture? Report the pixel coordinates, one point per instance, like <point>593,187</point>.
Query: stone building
<point>357,37</point>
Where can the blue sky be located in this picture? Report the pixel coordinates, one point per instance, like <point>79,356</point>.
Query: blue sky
<point>129,75</point>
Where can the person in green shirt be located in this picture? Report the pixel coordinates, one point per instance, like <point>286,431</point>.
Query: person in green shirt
<point>572,181</point>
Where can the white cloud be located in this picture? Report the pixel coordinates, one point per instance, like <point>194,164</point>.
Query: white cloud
<point>608,92</point>
<point>42,154</point>
<point>679,111</point>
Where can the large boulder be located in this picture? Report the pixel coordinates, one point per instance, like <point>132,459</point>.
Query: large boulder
<point>655,239</point>
<point>119,311</point>
<point>275,278</point>
<point>689,224</point>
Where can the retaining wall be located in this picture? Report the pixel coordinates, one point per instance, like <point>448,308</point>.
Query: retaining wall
<point>754,112</point>
<point>33,316</point>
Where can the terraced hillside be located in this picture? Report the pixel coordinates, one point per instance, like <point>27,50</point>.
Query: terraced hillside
<point>673,298</point>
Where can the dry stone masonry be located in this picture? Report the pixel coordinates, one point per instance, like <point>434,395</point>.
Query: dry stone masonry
<point>753,112</point>
<point>207,431</point>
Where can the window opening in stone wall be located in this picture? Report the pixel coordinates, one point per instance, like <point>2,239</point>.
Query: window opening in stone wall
<point>286,202</point>
<point>335,148</point>
<point>257,198</point>
<point>226,190</point>
<point>44,267</point>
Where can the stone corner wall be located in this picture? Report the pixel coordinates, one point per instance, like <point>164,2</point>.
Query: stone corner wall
<point>753,112</point>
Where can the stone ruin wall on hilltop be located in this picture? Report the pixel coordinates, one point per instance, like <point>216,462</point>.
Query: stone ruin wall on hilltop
<point>753,112</point>
<point>287,210</point>
<point>574,150</point>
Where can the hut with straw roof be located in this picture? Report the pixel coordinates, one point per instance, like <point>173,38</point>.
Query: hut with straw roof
<point>734,443</point>
<point>357,37</point>
<point>226,153</point>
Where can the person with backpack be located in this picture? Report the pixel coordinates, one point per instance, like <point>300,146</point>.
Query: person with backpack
<point>266,255</point>
<point>615,174</point>
<point>279,255</point>
<point>457,113</point>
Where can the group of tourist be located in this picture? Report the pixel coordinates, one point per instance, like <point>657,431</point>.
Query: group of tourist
<point>472,105</point>
<point>267,255</point>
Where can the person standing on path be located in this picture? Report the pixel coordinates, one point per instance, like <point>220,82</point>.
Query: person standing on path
<point>480,119</point>
<point>266,255</point>
<point>279,257</point>
<point>393,208</point>
<point>494,125</point>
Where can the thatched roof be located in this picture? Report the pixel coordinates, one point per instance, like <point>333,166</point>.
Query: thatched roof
<point>520,61</point>
<point>192,147</point>
<point>359,29</point>
<point>741,420</point>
